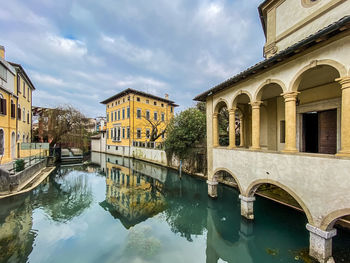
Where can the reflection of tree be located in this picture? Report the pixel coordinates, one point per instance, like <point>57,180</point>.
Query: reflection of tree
<point>66,198</point>
<point>186,213</point>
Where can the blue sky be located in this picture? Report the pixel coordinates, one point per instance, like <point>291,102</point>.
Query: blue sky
<point>80,52</point>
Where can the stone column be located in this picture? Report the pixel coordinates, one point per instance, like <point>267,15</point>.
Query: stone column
<point>255,125</point>
<point>321,244</point>
<point>247,206</point>
<point>232,129</point>
<point>212,188</point>
<point>241,131</point>
<point>290,99</point>
<point>215,130</point>
<point>345,117</point>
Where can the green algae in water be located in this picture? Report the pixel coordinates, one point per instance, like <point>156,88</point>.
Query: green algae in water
<point>141,243</point>
<point>272,252</point>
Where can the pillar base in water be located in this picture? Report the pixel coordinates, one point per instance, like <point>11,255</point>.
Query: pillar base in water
<point>247,207</point>
<point>212,189</point>
<point>321,244</point>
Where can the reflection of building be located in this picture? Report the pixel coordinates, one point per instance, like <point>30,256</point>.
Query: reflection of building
<point>131,114</point>
<point>131,196</point>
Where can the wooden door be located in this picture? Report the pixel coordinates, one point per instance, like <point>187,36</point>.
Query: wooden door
<point>327,131</point>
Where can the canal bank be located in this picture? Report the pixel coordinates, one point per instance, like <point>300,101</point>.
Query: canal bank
<point>141,212</point>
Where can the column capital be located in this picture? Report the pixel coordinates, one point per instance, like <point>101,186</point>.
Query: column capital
<point>320,232</point>
<point>233,110</point>
<point>215,115</point>
<point>344,82</point>
<point>290,95</point>
<point>212,182</point>
<point>256,104</point>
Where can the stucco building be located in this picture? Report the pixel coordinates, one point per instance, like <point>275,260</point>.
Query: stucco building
<point>132,115</point>
<point>293,112</point>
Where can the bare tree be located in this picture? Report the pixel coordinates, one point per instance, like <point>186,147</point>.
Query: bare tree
<point>155,126</point>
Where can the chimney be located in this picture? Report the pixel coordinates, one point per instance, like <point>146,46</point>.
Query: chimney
<point>2,52</point>
<point>166,96</point>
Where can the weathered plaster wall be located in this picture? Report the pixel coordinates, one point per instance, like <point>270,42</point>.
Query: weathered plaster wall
<point>321,183</point>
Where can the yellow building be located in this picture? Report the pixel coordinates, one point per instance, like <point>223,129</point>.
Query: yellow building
<point>24,88</point>
<point>132,116</point>
<point>8,102</point>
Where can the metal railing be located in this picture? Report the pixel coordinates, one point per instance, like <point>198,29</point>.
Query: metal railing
<point>149,145</point>
<point>27,162</point>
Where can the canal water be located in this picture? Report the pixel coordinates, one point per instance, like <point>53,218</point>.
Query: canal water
<point>127,211</point>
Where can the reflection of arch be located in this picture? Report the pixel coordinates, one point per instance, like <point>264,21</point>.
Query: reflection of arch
<point>326,62</point>
<point>229,172</point>
<point>260,90</point>
<point>256,184</point>
<point>219,104</point>
<point>329,221</point>
<point>241,92</point>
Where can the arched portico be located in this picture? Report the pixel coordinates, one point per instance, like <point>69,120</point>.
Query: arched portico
<point>241,104</point>
<point>317,109</point>
<point>218,116</point>
<point>272,115</point>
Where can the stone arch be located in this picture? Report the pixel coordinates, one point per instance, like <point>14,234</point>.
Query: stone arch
<point>258,92</point>
<point>232,174</point>
<point>219,104</point>
<point>329,221</point>
<point>256,184</point>
<point>234,101</point>
<point>294,84</point>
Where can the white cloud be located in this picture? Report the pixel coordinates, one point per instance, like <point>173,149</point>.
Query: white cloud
<point>46,79</point>
<point>66,46</point>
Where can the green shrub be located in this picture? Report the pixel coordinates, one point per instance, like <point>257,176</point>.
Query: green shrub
<point>19,165</point>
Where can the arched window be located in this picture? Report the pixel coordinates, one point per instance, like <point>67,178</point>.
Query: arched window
<point>2,142</point>
<point>24,114</point>
<point>308,3</point>
<point>18,137</point>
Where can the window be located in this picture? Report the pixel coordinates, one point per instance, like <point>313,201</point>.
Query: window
<point>162,105</point>
<point>112,137</point>
<point>128,132</point>
<point>138,99</point>
<point>28,94</point>
<point>148,115</point>
<point>123,114</point>
<point>18,84</point>
<point>138,114</point>
<point>148,134</point>
<point>3,72</point>
<point>123,134</point>
<point>2,142</point>
<point>24,89</point>
<point>19,112</point>
<point>155,103</point>
<point>138,133</point>
<point>163,116</point>
<point>171,109</point>
<point>163,134</point>
<point>118,115</point>
<point>123,100</point>
<point>107,135</point>
<point>128,112</point>
<point>107,116</point>
<point>155,116</point>
<point>13,109</point>
<point>24,114</point>
<point>112,116</point>
<point>118,102</point>
<point>147,101</point>
<point>24,138</point>
<point>28,120</point>
<point>115,115</point>
<point>3,106</point>
<point>112,104</point>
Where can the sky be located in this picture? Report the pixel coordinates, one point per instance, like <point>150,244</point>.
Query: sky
<point>80,52</point>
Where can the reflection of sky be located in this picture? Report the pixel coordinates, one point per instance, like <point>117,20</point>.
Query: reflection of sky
<point>95,236</point>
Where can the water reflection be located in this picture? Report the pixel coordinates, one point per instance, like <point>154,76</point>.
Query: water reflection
<point>134,190</point>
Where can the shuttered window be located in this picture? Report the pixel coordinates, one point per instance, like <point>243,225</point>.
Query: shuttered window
<point>2,143</point>
<point>19,115</point>
<point>3,106</point>
<point>13,110</point>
